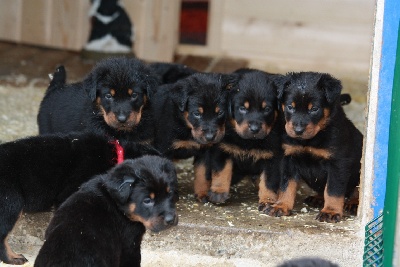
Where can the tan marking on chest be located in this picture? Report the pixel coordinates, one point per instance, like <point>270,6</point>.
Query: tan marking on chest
<point>256,154</point>
<point>185,144</point>
<point>291,150</point>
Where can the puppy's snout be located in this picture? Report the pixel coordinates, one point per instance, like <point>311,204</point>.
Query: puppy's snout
<point>299,130</point>
<point>254,127</point>
<point>122,118</point>
<point>209,135</point>
<point>170,219</point>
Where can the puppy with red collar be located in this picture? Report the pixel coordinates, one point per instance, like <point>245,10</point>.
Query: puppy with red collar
<point>41,171</point>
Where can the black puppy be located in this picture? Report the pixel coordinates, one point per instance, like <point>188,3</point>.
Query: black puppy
<point>321,145</point>
<point>112,100</point>
<point>103,223</point>
<point>190,114</point>
<point>251,146</point>
<point>39,172</point>
<point>171,72</point>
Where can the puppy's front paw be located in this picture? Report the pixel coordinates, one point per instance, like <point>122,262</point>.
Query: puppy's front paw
<point>216,198</point>
<point>329,217</point>
<point>263,206</point>
<point>18,260</point>
<point>201,198</point>
<point>277,210</point>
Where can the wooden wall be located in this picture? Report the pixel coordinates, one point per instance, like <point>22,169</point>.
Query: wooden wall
<point>65,24</point>
<point>273,35</point>
<point>53,23</point>
<point>291,34</point>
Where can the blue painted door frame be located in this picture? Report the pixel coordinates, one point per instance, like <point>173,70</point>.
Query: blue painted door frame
<point>386,77</point>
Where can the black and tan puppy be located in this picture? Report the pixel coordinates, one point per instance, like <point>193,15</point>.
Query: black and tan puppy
<point>251,146</point>
<point>321,145</point>
<point>103,223</point>
<point>112,100</point>
<point>39,172</point>
<point>190,114</point>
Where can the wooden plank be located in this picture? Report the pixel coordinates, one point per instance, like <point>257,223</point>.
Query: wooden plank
<point>70,24</point>
<point>292,35</point>
<point>35,27</point>
<point>156,28</point>
<point>342,12</point>
<point>10,25</point>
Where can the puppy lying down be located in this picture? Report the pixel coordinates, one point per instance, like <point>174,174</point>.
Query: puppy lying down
<point>103,223</point>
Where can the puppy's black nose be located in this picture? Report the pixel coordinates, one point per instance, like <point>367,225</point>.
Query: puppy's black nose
<point>169,219</point>
<point>121,118</point>
<point>209,136</point>
<point>254,127</point>
<point>299,130</point>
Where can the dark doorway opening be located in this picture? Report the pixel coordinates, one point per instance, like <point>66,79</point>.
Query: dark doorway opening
<point>194,22</point>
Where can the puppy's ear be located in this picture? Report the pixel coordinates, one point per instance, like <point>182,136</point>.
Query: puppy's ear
<point>124,188</point>
<point>90,86</point>
<point>331,86</point>
<point>230,83</point>
<point>120,187</point>
<point>180,95</point>
<point>152,82</point>
<point>282,82</point>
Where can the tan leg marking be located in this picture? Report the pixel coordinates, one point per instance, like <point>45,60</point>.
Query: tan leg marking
<point>265,195</point>
<point>201,184</point>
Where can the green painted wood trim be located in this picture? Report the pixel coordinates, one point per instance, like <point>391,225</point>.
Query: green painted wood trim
<point>393,173</point>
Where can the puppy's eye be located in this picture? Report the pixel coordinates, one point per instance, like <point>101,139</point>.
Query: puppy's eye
<point>290,107</point>
<point>314,109</point>
<point>148,201</point>
<point>108,96</point>
<point>134,96</point>
<point>220,113</point>
<point>267,109</point>
<point>243,109</point>
<point>196,114</point>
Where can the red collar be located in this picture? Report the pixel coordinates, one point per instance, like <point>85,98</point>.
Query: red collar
<point>119,150</point>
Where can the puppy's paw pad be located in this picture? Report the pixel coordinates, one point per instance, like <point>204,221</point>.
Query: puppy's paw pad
<point>20,260</point>
<point>329,217</point>
<point>218,197</point>
<point>277,211</point>
<point>201,198</point>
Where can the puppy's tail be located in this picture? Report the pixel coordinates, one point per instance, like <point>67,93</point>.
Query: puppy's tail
<point>58,78</point>
<point>345,99</point>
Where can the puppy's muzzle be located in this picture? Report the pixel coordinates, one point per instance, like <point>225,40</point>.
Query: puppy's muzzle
<point>210,135</point>
<point>299,130</point>
<point>254,127</point>
<point>122,118</point>
<point>170,219</point>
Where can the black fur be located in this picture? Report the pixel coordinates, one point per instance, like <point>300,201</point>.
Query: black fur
<point>321,145</point>
<point>103,223</point>
<point>190,114</point>
<point>171,72</point>
<point>308,262</point>
<point>112,100</point>
<point>39,172</point>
